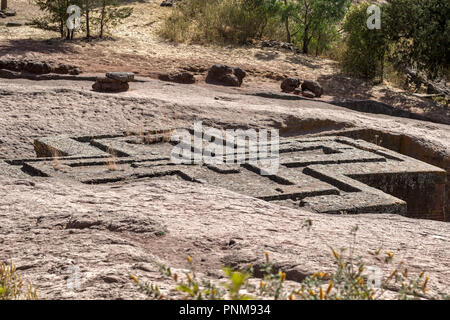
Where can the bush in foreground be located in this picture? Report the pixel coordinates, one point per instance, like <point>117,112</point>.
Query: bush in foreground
<point>349,281</point>
<point>11,285</point>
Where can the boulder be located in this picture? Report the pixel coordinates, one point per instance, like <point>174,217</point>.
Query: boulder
<point>178,77</point>
<point>121,76</point>
<point>38,67</point>
<point>106,84</point>
<point>308,94</point>
<point>290,84</point>
<point>66,69</point>
<point>312,86</point>
<point>225,76</point>
<point>240,73</point>
<point>7,74</point>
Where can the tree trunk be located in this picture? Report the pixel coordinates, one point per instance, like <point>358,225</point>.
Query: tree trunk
<point>306,40</point>
<point>4,4</point>
<point>61,28</point>
<point>88,30</point>
<point>286,24</point>
<point>318,44</point>
<point>102,21</point>
<point>306,33</point>
<point>288,32</point>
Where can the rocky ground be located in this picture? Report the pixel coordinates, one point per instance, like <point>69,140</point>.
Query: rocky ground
<point>114,230</point>
<point>34,109</point>
<point>138,47</point>
<point>111,231</point>
<point>49,227</point>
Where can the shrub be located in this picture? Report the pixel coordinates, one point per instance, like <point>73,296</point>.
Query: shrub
<point>420,33</point>
<point>219,21</point>
<point>313,22</point>
<point>349,281</point>
<point>365,48</point>
<point>11,285</point>
<point>96,14</point>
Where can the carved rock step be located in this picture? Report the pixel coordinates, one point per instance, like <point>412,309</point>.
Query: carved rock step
<point>325,174</point>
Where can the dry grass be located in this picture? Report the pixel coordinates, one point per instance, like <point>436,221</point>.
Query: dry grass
<point>138,48</point>
<point>11,284</point>
<point>111,163</point>
<point>56,161</point>
<point>351,280</point>
<point>137,45</point>
<point>225,21</point>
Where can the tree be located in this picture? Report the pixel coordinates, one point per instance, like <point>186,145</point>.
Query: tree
<point>365,48</point>
<point>312,17</point>
<point>110,14</point>
<point>96,13</point>
<point>87,12</point>
<point>4,5</point>
<point>286,23</point>
<point>56,14</point>
<point>415,34</point>
<point>419,31</point>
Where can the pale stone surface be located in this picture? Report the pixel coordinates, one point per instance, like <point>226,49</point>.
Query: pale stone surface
<point>197,219</point>
<point>110,231</point>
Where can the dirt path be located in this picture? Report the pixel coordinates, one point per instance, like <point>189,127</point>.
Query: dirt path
<point>137,47</point>
<point>48,225</point>
<point>33,109</point>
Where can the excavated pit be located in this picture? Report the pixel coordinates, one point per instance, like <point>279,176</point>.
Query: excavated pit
<point>336,172</point>
<point>400,143</point>
<point>408,146</point>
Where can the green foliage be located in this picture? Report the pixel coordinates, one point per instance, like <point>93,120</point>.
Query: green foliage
<point>98,14</point>
<point>220,21</point>
<point>314,21</point>
<point>365,48</point>
<point>443,101</point>
<point>237,280</point>
<point>419,31</point>
<point>150,290</point>
<point>272,283</point>
<point>11,285</point>
<point>414,33</point>
<point>349,281</point>
<point>56,15</point>
<point>197,290</point>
